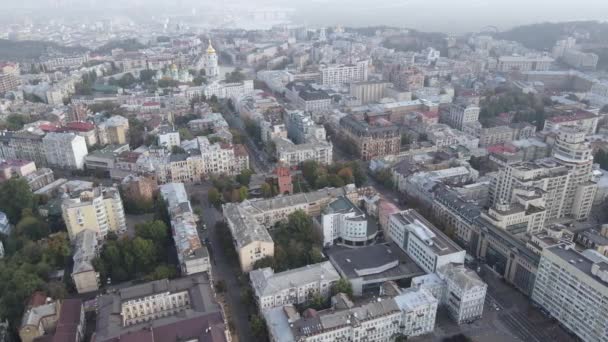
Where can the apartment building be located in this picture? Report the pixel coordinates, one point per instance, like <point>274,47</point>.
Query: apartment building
<point>192,255</point>
<point>9,76</point>
<point>307,98</point>
<point>573,288</point>
<point>584,120</point>
<point>248,221</point>
<point>22,145</point>
<point>460,115</point>
<point>296,286</point>
<point>423,242</point>
<point>337,75</point>
<point>294,154</point>
<point>99,209</point>
<point>65,150</point>
<point>411,313</point>
<point>86,248</point>
<point>168,137</point>
<point>342,222</point>
<point>368,91</point>
<point>168,310</point>
<point>580,60</point>
<point>113,131</point>
<point>524,63</point>
<point>373,138</point>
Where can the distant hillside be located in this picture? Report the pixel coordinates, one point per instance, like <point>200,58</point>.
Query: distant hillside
<point>543,36</point>
<point>30,50</point>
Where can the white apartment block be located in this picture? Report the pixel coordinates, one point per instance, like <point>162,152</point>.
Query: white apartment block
<point>423,242</point>
<point>580,60</point>
<point>296,286</point>
<point>294,154</point>
<point>464,294</point>
<point>573,288</point>
<point>336,75</point>
<point>168,139</point>
<point>66,150</point>
<point>228,90</point>
<point>524,63</point>
<point>411,313</point>
<point>460,115</point>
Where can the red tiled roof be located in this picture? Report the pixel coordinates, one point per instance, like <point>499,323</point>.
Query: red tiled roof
<point>69,320</point>
<point>581,115</point>
<point>48,128</point>
<point>79,126</point>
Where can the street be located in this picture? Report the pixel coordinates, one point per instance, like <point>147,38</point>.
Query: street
<point>222,268</point>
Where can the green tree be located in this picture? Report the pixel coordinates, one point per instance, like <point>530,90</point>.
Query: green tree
<point>185,134</point>
<point>32,227</point>
<point>258,328</point>
<point>162,272</point>
<point>178,150</point>
<point>146,76</point>
<point>127,80</point>
<point>235,76</point>
<point>156,231</point>
<point>244,177</point>
<point>347,175</point>
<point>343,286</point>
<point>145,253</point>
<point>15,195</point>
<point>266,190</point>
<point>214,197</point>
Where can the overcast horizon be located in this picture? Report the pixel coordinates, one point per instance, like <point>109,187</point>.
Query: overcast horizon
<point>426,15</point>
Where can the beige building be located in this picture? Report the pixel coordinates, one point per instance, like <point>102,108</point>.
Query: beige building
<point>373,138</point>
<point>99,209</point>
<point>113,131</point>
<point>371,91</point>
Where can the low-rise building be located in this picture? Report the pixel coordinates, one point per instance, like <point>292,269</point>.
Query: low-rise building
<point>410,313</point>
<point>342,222</point>
<point>86,248</point>
<point>373,138</point>
<point>193,256</point>
<point>296,286</point>
<point>294,154</point>
<point>162,310</point>
<point>423,242</point>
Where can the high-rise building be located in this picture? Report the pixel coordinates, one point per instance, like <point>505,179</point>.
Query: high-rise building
<point>66,150</point>
<point>336,75</point>
<point>564,180</point>
<point>573,288</point>
<point>460,115</point>
<point>99,209</point>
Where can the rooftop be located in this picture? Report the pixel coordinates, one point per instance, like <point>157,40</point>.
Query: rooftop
<point>266,283</point>
<point>426,231</point>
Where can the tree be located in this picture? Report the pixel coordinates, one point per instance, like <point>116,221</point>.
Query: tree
<point>127,80</point>
<point>244,177</point>
<point>214,197</point>
<point>220,286</point>
<point>15,122</point>
<point>156,231</point>
<point>178,150</point>
<point>199,80</point>
<point>235,76</point>
<point>144,252</point>
<point>335,181</point>
<point>347,175</point>
<point>258,328</point>
<point>162,272</point>
<point>266,261</point>
<point>146,76</point>
<point>15,195</point>
<point>266,190</point>
<point>343,286</point>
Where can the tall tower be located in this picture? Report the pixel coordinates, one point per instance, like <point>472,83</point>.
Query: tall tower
<point>211,68</point>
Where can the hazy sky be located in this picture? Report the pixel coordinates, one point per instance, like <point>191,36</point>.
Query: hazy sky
<point>439,15</point>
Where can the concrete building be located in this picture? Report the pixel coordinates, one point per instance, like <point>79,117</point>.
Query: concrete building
<point>9,76</point>
<point>410,313</point>
<point>86,248</point>
<point>193,256</point>
<point>460,115</point>
<point>464,294</point>
<point>423,242</point>
<point>367,268</point>
<point>343,223</point>
<point>41,316</point>
<point>99,209</point>
<point>373,138</point>
<point>584,120</point>
<point>113,131</point>
<point>580,60</point>
<point>139,188</point>
<point>524,63</point>
<point>162,310</point>
<point>293,154</point>
<point>337,75</point>
<point>573,288</point>
<point>370,91</point>
<point>296,286</point>
<point>307,98</point>
<point>23,145</point>
<point>168,137</point>
<point>65,150</point>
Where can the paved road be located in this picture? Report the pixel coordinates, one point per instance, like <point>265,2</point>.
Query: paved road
<point>222,268</point>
